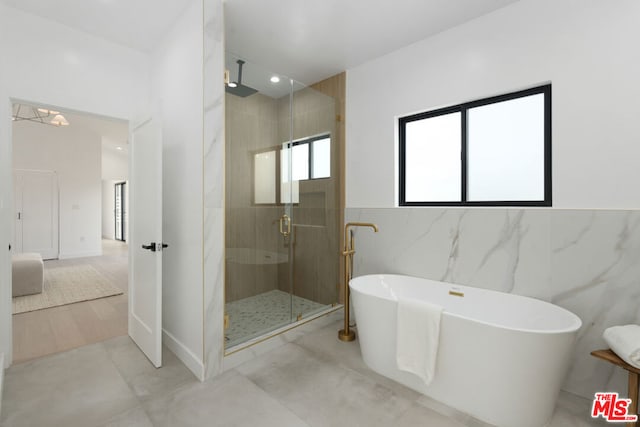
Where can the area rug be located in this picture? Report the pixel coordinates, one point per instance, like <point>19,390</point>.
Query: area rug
<point>66,285</point>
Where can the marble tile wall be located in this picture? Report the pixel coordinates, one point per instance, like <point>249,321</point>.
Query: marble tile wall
<point>213,156</point>
<point>587,261</point>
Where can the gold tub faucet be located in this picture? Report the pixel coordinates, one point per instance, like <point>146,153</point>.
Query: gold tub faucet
<point>349,249</point>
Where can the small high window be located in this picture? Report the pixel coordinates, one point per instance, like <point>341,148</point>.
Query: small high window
<point>490,152</point>
<point>310,159</point>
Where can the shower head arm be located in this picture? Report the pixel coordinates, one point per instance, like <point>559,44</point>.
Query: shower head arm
<point>240,63</point>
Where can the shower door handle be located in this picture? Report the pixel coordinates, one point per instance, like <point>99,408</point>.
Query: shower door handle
<point>285,219</point>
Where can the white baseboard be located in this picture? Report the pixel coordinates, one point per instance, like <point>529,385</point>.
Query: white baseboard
<point>1,378</point>
<point>190,360</point>
<point>79,254</point>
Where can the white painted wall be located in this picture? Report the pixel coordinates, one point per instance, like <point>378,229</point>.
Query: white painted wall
<point>115,168</point>
<point>56,65</point>
<point>115,164</point>
<point>108,206</point>
<point>5,221</point>
<point>75,155</point>
<point>586,49</point>
<point>72,69</point>
<point>178,92</point>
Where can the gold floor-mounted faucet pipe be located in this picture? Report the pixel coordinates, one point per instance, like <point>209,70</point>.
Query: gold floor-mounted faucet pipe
<point>349,249</point>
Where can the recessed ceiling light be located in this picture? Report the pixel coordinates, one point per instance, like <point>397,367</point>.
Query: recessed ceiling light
<point>232,84</point>
<point>275,79</point>
<point>118,148</point>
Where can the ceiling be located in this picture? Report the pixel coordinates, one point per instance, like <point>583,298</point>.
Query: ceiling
<point>306,40</point>
<point>138,24</point>
<point>313,40</point>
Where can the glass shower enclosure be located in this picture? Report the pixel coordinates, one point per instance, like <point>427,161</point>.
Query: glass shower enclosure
<point>282,200</point>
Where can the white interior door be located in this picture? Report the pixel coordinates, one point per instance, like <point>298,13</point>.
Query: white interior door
<point>36,225</point>
<point>145,240</point>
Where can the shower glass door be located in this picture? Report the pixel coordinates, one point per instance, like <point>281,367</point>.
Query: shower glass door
<point>259,197</point>
<point>278,253</point>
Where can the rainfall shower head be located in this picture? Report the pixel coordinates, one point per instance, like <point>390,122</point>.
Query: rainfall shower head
<point>239,89</point>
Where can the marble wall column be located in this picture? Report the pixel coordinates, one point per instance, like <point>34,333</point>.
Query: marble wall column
<point>213,155</point>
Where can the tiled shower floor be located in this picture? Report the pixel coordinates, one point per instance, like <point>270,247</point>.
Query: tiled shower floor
<point>253,316</point>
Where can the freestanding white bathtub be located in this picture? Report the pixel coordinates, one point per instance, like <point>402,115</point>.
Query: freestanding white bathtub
<point>501,357</point>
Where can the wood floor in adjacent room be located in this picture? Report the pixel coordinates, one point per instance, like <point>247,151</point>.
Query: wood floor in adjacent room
<point>53,330</point>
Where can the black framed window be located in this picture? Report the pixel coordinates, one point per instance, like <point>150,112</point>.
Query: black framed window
<point>490,152</point>
<point>309,158</point>
<point>119,210</point>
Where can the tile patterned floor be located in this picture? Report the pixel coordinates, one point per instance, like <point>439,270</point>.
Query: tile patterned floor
<point>315,381</point>
<point>259,314</point>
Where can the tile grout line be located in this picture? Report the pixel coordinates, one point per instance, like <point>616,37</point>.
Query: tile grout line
<point>121,375</point>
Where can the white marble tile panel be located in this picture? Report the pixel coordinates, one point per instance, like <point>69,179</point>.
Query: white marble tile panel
<point>214,160</point>
<point>496,250</point>
<point>596,274</point>
<point>214,291</point>
<point>214,108</point>
<point>533,275</point>
<point>583,260</point>
<point>591,248</point>
<point>407,243</point>
<point>488,248</point>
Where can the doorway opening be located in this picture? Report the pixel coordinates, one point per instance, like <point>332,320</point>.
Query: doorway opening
<point>70,219</point>
<point>120,210</point>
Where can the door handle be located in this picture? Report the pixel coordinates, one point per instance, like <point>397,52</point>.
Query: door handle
<point>285,218</point>
<point>151,246</point>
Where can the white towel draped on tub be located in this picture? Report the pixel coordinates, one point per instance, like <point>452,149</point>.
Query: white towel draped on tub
<point>418,333</point>
<point>625,342</point>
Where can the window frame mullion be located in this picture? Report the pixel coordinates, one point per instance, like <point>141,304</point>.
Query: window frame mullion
<point>463,154</point>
